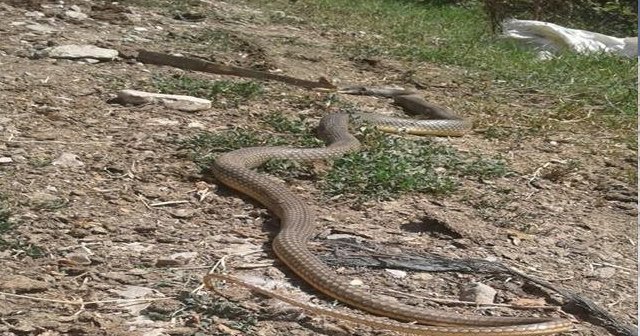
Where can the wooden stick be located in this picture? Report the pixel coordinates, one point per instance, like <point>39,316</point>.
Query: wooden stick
<point>195,64</point>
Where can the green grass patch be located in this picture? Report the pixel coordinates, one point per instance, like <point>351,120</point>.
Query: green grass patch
<point>388,166</point>
<point>282,131</point>
<point>206,146</point>
<point>296,130</point>
<point>460,36</point>
<point>223,92</point>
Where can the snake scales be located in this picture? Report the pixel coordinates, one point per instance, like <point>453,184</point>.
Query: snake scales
<point>297,222</point>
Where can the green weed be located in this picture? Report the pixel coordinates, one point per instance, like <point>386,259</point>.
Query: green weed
<point>5,213</point>
<point>205,146</point>
<point>9,240</point>
<point>222,92</point>
<point>280,17</point>
<point>50,205</point>
<point>296,129</point>
<point>389,166</point>
<point>39,162</point>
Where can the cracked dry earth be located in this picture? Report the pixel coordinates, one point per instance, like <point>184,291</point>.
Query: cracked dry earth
<point>84,173</point>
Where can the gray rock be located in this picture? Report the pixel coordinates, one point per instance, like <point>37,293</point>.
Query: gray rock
<point>90,61</point>
<point>41,28</point>
<point>343,236</point>
<point>75,51</point>
<point>68,160</point>
<point>135,292</point>
<point>398,274</point>
<point>478,292</point>
<point>75,15</point>
<point>605,272</point>
<point>78,258</point>
<point>163,122</point>
<point>196,124</point>
<point>182,213</point>
<point>34,14</point>
<point>188,256</point>
<point>175,102</point>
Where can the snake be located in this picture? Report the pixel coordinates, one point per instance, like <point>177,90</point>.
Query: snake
<point>236,170</point>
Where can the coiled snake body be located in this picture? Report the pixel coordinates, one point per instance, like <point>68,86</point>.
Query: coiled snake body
<point>297,222</point>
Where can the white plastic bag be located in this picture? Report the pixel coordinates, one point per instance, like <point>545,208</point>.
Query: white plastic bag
<point>549,38</point>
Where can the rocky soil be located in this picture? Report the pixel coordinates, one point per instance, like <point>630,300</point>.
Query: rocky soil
<point>107,225</point>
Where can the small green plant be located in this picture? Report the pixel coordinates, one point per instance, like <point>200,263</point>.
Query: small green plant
<point>8,240</point>
<point>496,132</point>
<point>245,325</point>
<point>280,17</point>
<point>220,39</point>
<point>287,132</point>
<point>296,129</point>
<point>481,168</point>
<point>363,51</point>
<point>5,213</point>
<point>29,250</point>
<point>50,205</point>
<point>223,91</point>
<point>390,165</point>
<point>206,146</point>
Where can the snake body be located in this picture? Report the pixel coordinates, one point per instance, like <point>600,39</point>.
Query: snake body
<point>297,223</point>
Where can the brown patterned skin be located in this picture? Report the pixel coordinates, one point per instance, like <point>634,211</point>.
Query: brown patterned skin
<point>297,222</point>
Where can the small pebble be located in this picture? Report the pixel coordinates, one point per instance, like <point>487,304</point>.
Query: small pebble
<point>356,282</point>
<point>604,272</point>
<point>398,274</point>
<point>478,292</point>
<point>182,213</point>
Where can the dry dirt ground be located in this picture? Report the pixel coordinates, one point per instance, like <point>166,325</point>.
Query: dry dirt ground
<point>86,232</point>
